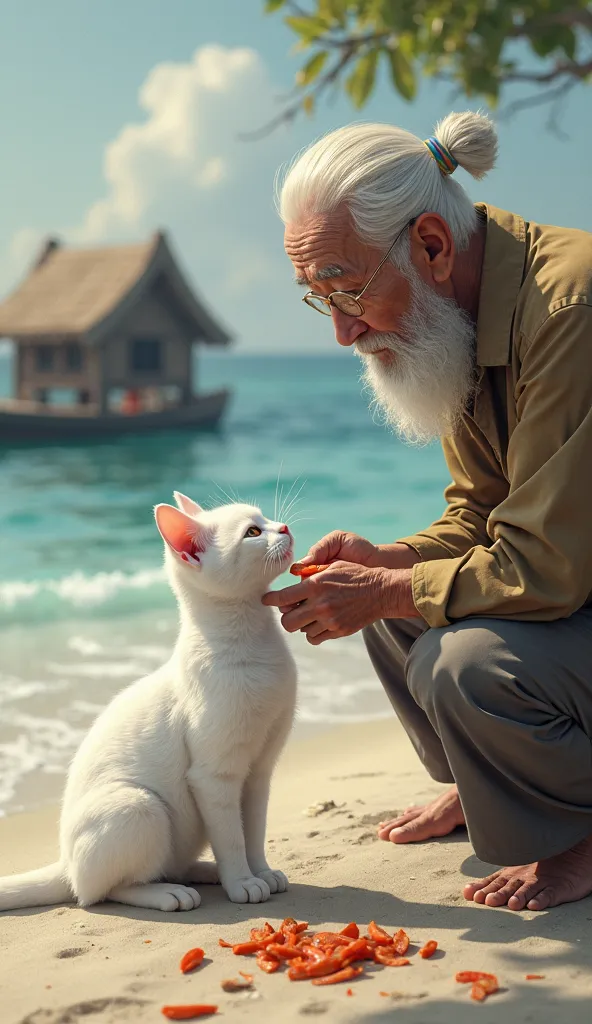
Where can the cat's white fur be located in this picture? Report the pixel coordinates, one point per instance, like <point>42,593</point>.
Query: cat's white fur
<point>184,756</point>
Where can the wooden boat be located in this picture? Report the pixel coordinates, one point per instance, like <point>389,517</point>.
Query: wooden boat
<point>32,421</point>
<point>116,327</point>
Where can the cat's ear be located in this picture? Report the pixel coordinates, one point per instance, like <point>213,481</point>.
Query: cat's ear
<point>182,534</point>
<point>187,504</point>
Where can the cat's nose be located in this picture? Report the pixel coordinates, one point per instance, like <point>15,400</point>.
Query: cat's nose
<point>284,529</point>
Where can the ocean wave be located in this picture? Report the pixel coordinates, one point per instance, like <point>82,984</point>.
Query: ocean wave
<point>78,595</point>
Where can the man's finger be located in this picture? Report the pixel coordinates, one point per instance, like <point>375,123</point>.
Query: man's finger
<point>325,550</point>
<point>287,596</point>
<point>313,629</point>
<point>320,639</point>
<point>300,618</point>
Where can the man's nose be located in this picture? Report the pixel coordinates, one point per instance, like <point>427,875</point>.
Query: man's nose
<point>347,328</point>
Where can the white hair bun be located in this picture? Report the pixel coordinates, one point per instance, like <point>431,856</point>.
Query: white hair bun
<point>471,139</point>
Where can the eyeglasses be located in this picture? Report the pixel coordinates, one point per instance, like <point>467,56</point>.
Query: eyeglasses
<point>343,301</point>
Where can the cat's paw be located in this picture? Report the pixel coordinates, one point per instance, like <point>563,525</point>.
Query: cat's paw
<point>166,896</point>
<point>276,880</point>
<point>248,890</point>
<point>178,897</point>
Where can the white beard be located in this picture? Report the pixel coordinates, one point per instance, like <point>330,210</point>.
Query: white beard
<point>423,391</point>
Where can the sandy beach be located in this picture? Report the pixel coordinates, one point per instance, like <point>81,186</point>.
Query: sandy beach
<point>112,964</point>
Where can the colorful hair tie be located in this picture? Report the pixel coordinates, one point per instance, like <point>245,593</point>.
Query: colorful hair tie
<point>441,155</point>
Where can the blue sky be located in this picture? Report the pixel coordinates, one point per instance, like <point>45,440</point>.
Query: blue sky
<point>122,117</point>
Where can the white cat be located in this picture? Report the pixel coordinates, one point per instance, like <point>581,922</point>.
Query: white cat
<point>184,757</point>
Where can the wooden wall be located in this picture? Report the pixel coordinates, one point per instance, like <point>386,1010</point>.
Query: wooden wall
<point>151,318</point>
<point>30,379</point>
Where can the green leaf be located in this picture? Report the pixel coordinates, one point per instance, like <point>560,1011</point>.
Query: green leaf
<point>402,74</point>
<point>334,10</point>
<point>360,83</point>
<point>307,28</point>
<point>312,68</point>
<point>273,5</point>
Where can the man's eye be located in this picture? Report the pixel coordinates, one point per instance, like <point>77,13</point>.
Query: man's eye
<point>253,531</point>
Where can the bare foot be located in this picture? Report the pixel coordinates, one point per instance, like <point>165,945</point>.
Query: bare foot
<point>439,818</point>
<point>562,879</point>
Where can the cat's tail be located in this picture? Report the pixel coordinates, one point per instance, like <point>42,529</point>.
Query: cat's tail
<point>38,888</point>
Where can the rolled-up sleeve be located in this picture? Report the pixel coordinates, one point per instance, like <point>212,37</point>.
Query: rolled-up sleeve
<point>535,562</point>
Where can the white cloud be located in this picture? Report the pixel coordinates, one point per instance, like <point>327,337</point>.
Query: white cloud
<point>184,168</point>
<point>194,114</point>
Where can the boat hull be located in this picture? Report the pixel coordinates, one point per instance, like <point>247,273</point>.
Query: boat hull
<point>204,413</point>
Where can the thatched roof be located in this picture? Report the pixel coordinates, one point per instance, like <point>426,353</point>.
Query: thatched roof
<point>83,293</point>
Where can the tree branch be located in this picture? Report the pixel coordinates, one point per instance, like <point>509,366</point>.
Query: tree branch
<point>540,99</point>
<point>572,68</point>
<point>290,112</point>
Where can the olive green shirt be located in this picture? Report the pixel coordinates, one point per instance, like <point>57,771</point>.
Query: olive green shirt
<point>516,538</point>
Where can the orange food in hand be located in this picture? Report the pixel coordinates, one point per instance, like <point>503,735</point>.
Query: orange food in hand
<point>304,571</point>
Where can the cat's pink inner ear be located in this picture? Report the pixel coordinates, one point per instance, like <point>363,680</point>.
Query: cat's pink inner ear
<point>178,530</point>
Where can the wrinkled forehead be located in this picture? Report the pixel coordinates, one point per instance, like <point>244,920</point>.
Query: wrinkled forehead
<point>323,247</point>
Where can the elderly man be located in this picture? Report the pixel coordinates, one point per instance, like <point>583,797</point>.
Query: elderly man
<point>474,326</point>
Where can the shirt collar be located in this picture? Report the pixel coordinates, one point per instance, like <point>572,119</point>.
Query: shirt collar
<point>501,280</point>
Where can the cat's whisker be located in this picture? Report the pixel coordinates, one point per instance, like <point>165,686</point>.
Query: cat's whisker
<point>303,484</point>
<point>277,484</point>
<point>233,500</point>
<point>296,512</point>
<point>292,505</point>
<point>289,492</point>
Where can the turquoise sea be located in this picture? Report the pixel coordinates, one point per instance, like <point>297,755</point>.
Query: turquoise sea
<point>84,608</point>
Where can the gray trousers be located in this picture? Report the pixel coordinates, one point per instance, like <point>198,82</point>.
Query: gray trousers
<point>504,709</point>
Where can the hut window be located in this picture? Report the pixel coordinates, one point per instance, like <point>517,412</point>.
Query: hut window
<point>44,358</point>
<point>146,355</point>
<point>73,357</point>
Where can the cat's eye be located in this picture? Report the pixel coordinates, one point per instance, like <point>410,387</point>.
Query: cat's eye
<point>253,531</point>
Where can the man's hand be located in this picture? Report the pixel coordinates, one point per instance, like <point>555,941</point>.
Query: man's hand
<point>349,547</point>
<point>342,599</point>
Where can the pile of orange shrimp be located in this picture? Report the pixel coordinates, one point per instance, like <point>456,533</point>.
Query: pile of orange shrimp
<point>325,958</point>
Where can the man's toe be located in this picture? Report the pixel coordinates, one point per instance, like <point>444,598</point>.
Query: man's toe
<point>544,899</point>
<point>386,827</point>
<point>413,831</point>
<point>504,893</point>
